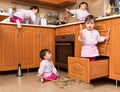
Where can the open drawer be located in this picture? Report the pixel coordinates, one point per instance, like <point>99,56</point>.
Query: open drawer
<point>84,70</point>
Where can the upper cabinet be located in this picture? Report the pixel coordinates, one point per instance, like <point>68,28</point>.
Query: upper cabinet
<point>64,3</point>
<point>54,3</point>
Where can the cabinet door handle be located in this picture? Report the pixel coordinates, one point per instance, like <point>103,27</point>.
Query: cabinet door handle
<point>35,34</point>
<point>17,32</point>
<point>38,34</point>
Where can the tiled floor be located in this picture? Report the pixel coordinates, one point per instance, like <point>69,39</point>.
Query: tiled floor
<point>30,83</point>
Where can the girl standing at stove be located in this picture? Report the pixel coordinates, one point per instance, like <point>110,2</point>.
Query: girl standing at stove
<point>90,37</point>
<point>81,13</point>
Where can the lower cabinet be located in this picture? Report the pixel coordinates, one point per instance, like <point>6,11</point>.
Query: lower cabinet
<point>114,49</point>
<point>22,46</point>
<point>85,70</point>
<point>33,40</point>
<point>9,47</point>
<point>45,40</point>
<point>28,47</point>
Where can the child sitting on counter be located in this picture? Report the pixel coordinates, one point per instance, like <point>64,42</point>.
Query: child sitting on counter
<point>81,13</point>
<point>90,37</point>
<point>25,14</point>
<point>46,71</point>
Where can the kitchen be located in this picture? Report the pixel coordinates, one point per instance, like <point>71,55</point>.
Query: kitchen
<point>22,46</point>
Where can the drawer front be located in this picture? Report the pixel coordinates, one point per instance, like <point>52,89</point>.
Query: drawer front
<point>78,68</point>
<point>99,69</point>
<point>65,30</point>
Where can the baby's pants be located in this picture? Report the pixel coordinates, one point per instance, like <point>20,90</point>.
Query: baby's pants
<point>50,78</point>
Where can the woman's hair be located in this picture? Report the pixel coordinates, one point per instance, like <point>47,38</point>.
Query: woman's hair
<point>34,7</point>
<point>43,53</point>
<point>89,18</point>
<point>83,3</point>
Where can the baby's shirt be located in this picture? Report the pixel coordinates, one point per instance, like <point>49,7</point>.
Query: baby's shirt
<point>81,14</point>
<point>25,14</point>
<point>46,68</point>
<point>91,37</point>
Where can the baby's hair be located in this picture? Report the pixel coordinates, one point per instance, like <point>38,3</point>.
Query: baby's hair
<point>89,18</point>
<point>43,53</point>
<point>34,7</point>
<point>83,3</point>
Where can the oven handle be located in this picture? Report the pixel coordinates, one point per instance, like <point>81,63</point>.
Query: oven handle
<point>63,44</point>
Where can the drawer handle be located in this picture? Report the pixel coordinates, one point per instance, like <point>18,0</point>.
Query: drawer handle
<point>77,69</point>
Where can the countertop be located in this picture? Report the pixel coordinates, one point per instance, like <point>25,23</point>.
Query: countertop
<point>6,21</point>
<point>4,14</point>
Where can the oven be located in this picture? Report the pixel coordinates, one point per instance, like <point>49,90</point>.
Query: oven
<point>64,47</point>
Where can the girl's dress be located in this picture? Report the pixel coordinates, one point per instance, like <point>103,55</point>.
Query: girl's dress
<point>91,38</point>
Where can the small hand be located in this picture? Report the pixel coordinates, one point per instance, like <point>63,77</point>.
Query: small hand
<point>38,75</point>
<point>67,10</point>
<point>57,75</point>
<point>107,36</point>
<point>82,36</point>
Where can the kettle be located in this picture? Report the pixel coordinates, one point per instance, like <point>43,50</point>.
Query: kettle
<point>43,22</point>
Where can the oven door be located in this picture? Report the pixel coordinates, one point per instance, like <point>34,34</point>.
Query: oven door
<point>63,50</point>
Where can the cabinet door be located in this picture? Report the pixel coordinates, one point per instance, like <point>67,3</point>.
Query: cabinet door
<point>46,40</point>
<point>114,49</point>
<point>9,45</point>
<point>27,47</point>
<point>0,47</point>
<point>62,1</point>
<point>52,1</point>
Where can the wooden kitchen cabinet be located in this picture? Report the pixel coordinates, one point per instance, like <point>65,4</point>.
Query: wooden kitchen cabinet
<point>32,41</point>
<point>27,47</point>
<point>65,30</point>
<point>9,47</point>
<point>64,3</point>
<point>46,40</point>
<point>53,3</point>
<point>0,48</point>
<point>22,46</point>
<point>114,49</point>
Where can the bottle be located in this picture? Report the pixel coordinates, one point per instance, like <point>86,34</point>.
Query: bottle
<point>108,10</point>
<point>119,6</point>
